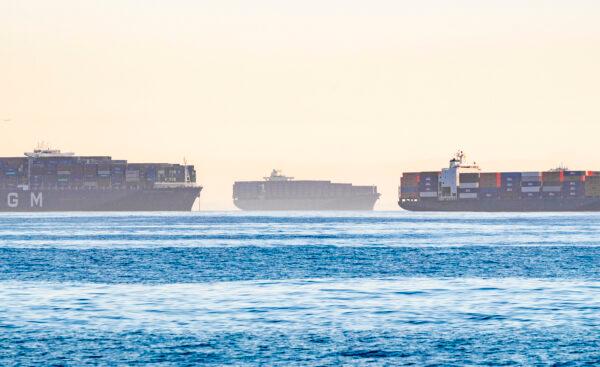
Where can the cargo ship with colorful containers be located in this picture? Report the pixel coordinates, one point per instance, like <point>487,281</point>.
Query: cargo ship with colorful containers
<point>279,192</point>
<point>50,180</point>
<point>463,187</point>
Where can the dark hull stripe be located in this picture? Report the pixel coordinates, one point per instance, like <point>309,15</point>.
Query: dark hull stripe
<point>505,205</point>
<point>163,199</point>
<point>343,203</point>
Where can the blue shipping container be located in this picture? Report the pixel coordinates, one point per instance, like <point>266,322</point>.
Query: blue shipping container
<point>428,186</point>
<point>574,173</point>
<point>510,175</point>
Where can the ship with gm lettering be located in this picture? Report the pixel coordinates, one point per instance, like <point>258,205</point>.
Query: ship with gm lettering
<point>51,180</point>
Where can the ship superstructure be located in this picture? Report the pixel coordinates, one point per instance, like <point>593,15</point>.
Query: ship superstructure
<point>280,192</point>
<point>464,187</point>
<point>51,180</point>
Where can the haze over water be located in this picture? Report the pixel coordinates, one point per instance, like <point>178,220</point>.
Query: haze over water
<point>388,288</point>
<point>348,90</point>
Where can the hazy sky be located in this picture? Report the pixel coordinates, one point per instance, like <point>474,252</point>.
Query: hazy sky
<point>353,91</point>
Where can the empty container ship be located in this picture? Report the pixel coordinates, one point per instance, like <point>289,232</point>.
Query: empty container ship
<point>51,180</point>
<point>279,192</point>
<point>464,187</point>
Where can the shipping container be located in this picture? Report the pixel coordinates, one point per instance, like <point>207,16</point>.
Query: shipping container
<point>429,181</point>
<point>573,189</point>
<point>530,195</point>
<point>574,173</point>
<point>510,194</point>
<point>531,176</point>
<point>469,185</point>
<point>552,188</point>
<point>514,176</point>
<point>492,179</point>
<point>531,183</point>
<point>408,190</point>
<point>414,195</point>
<point>574,176</point>
<point>468,177</point>
<point>468,196</point>
<point>510,181</point>
<point>552,195</point>
<point>530,189</point>
<point>132,175</point>
<point>410,178</point>
<point>592,186</point>
<point>553,176</point>
<point>573,194</point>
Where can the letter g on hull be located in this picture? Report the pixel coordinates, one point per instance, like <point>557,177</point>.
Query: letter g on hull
<point>12,200</point>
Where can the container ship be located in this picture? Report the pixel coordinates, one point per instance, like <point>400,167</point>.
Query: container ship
<point>50,180</point>
<point>279,192</point>
<point>463,187</point>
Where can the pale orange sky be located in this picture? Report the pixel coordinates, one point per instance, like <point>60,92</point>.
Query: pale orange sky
<point>353,91</point>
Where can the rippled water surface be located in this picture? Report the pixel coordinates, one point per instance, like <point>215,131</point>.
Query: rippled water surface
<point>300,289</point>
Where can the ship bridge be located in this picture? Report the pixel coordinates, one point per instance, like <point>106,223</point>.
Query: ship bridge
<point>449,177</point>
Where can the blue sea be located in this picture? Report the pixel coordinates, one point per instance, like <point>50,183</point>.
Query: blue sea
<point>300,289</point>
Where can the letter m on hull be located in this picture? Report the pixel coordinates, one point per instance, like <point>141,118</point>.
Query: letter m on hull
<point>37,200</point>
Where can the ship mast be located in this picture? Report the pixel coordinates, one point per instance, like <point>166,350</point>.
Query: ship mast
<point>185,171</point>
<point>277,175</point>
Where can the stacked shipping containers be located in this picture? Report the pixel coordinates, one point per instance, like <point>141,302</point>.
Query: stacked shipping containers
<point>428,184</point>
<point>531,185</point>
<point>506,185</point>
<point>90,175</point>
<point>592,185</point>
<point>468,187</point>
<point>13,172</point>
<point>574,184</point>
<point>117,173</point>
<point>510,185</point>
<point>72,172</point>
<point>489,185</point>
<point>409,185</point>
<point>552,184</point>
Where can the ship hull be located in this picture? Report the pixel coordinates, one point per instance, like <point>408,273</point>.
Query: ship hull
<point>353,203</point>
<point>504,205</point>
<point>159,199</point>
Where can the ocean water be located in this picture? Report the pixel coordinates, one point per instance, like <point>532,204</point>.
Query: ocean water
<point>305,289</point>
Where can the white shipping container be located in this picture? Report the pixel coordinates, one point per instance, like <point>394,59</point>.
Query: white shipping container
<point>467,195</point>
<point>530,189</point>
<point>469,185</point>
<point>531,174</point>
<point>428,194</point>
<point>551,189</point>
